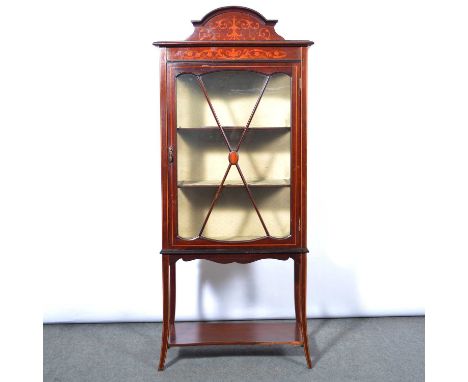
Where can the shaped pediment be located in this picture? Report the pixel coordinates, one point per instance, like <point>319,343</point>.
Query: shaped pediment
<point>234,24</point>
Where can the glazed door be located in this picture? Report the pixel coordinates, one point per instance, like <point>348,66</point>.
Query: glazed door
<point>233,159</point>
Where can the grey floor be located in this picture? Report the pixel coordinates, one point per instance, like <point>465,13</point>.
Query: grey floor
<point>356,349</point>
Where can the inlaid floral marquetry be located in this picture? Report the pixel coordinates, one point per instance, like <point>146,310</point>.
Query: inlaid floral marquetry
<point>241,53</point>
<point>240,25</point>
<point>234,28</point>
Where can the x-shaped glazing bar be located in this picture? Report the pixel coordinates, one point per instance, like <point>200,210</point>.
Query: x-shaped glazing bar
<point>220,187</point>
<point>252,113</point>
<point>215,199</point>
<point>203,88</point>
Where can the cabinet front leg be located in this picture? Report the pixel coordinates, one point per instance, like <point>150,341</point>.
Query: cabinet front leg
<point>165,329</point>
<point>303,289</point>
<point>172,292</point>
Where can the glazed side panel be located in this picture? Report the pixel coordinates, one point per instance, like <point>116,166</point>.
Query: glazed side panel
<point>303,140</point>
<point>164,149</point>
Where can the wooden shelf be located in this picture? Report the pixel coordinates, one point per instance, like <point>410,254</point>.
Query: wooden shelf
<point>234,333</point>
<point>236,239</point>
<point>255,183</point>
<point>235,128</point>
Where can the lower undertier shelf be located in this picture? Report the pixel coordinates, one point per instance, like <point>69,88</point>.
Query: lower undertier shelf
<point>234,333</point>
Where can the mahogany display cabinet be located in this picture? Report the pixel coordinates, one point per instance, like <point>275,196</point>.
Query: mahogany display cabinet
<point>233,137</point>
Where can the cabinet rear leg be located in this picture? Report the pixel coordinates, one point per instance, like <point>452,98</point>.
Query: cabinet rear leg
<point>303,289</point>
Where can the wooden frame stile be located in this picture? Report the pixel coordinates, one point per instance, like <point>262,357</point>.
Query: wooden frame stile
<point>288,245</point>
<point>242,39</point>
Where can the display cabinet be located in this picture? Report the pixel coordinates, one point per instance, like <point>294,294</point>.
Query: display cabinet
<point>233,143</point>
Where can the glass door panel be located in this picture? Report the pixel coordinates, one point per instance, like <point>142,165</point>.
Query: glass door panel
<point>274,109</point>
<point>233,155</point>
<point>233,95</point>
<point>192,108</point>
